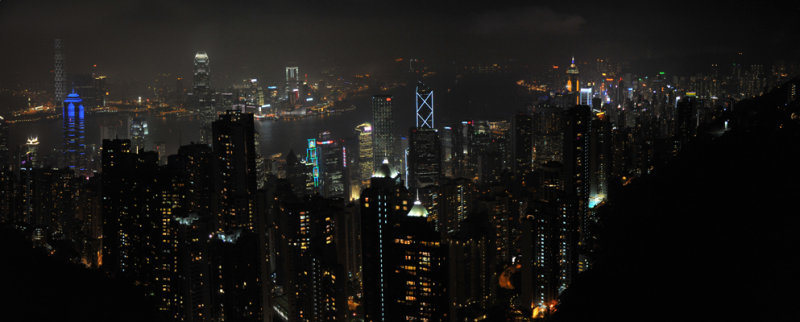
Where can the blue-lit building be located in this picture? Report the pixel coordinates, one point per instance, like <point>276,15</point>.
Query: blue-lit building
<point>74,128</point>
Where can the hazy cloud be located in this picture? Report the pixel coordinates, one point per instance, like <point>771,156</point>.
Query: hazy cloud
<point>530,20</point>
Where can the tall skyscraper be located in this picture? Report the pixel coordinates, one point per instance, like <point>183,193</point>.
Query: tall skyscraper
<point>138,132</point>
<point>74,127</point>
<point>381,205</point>
<point>573,83</point>
<point>58,70</point>
<point>577,171</point>
<point>382,126</point>
<point>234,171</point>
<point>330,152</point>
<point>201,80</point>
<point>292,83</point>
<point>424,158</point>
<point>424,103</point>
<point>365,153</point>
<point>418,283</point>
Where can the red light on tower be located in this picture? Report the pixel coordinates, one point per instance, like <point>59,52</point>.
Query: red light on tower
<point>388,99</point>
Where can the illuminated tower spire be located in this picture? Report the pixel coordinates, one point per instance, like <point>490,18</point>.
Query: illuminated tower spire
<point>424,103</point>
<point>573,84</point>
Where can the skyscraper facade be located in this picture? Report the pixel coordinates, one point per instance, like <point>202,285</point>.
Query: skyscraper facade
<point>381,204</point>
<point>58,71</point>
<point>382,125</point>
<point>365,154</point>
<point>201,78</point>
<point>74,127</point>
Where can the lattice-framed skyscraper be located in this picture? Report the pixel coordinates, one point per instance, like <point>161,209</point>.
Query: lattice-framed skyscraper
<point>58,71</point>
<point>424,104</point>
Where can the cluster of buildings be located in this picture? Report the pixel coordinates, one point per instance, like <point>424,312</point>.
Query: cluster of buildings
<point>477,220</point>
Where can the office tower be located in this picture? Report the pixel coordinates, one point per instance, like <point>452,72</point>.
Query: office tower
<point>138,132</point>
<point>447,151</point>
<point>418,283</point>
<point>312,162</point>
<point>74,127</point>
<point>382,125</point>
<point>381,204</point>
<point>365,155</point>
<point>586,98</point>
<point>576,167</point>
<point>573,82</point>
<point>29,160</point>
<point>461,140</point>
<point>292,83</point>
<point>201,79</point>
<point>59,75</point>
<point>424,103</point>
<point>424,158</point>
<point>331,155</point>
<point>523,144</point>
<point>234,171</point>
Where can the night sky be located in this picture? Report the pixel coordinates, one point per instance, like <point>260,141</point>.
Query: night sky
<point>137,39</point>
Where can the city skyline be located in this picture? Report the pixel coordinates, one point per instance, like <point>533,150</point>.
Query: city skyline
<point>417,161</point>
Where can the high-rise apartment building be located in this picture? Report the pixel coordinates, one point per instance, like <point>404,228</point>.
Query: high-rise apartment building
<point>234,165</point>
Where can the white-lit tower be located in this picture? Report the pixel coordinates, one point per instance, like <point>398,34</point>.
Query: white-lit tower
<point>424,104</point>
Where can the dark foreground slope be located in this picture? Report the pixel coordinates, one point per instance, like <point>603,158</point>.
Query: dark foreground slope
<point>37,287</point>
<point>713,236</point>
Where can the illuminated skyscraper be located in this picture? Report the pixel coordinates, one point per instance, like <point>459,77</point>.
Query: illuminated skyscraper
<point>424,104</point>
<point>74,128</point>
<point>201,80</point>
<point>573,83</point>
<point>58,70</point>
<point>365,162</point>
<point>381,205</point>
<point>382,125</point>
<point>331,163</point>
<point>234,171</point>
<point>419,280</point>
<point>292,83</point>
<point>138,132</point>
